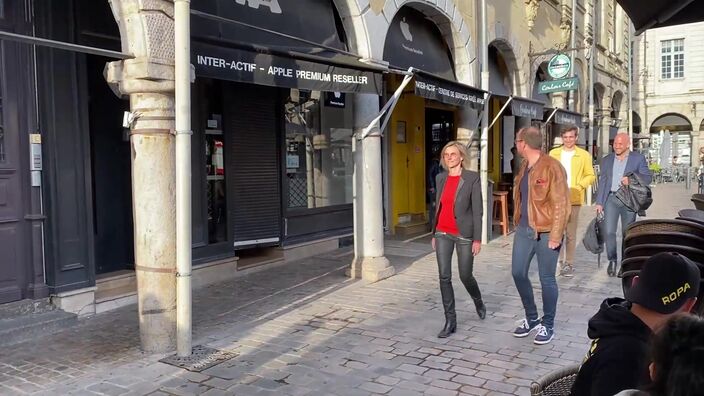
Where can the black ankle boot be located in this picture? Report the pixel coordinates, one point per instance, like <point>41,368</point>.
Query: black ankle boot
<point>611,269</point>
<point>450,327</point>
<point>481,308</point>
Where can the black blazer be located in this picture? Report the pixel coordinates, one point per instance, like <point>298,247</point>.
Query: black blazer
<point>468,203</point>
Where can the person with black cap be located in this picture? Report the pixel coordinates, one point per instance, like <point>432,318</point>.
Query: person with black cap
<point>617,359</point>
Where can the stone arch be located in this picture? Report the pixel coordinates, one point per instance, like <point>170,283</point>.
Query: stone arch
<point>599,93</point>
<point>448,19</point>
<point>358,39</point>
<point>637,122</point>
<point>673,122</point>
<point>540,74</point>
<point>701,126</point>
<point>146,30</point>
<point>616,103</point>
<point>508,56</point>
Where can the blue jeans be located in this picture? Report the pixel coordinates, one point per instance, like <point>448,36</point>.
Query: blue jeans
<point>613,210</point>
<point>525,246</point>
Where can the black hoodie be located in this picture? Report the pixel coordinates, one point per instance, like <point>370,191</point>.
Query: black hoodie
<point>618,356</point>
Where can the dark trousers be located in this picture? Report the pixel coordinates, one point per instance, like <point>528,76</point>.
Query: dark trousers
<point>614,210</point>
<point>444,246</point>
<point>525,246</point>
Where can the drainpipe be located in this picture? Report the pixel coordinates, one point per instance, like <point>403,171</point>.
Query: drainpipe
<point>573,35</point>
<point>592,55</point>
<point>182,42</point>
<point>630,85</point>
<point>484,144</point>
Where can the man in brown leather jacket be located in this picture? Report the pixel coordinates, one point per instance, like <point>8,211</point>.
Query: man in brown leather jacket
<point>541,209</point>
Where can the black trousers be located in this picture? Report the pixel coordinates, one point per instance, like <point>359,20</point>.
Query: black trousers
<point>444,246</point>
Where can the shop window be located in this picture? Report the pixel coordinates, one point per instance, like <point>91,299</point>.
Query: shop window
<point>215,175</point>
<point>318,159</point>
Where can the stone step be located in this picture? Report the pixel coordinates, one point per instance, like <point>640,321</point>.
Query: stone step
<point>115,290</point>
<point>24,327</point>
<point>25,307</point>
<point>115,297</point>
<point>416,227</point>
<point>115,280</point>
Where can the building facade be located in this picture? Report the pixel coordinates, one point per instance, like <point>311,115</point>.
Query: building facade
<point>281,165</point>
<point>668,66</point>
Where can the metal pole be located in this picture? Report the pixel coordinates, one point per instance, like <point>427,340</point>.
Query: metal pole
<point>592,54</point>
<point>510,98</point>
<point>630,84</point>
<point>570,103</point>
<point>21,38</point>
<point>484,142</point>
<point>182,43</point>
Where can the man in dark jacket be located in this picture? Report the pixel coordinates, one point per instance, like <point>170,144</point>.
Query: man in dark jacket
<point>618,356</point>
<point>614,170</point>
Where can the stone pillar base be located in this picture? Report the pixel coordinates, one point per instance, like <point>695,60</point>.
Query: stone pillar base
<point>375,269</point>
<point>81,301</point>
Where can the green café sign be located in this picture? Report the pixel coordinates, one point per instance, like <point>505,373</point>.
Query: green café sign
<point>568,84</point>
<point>559,66</point>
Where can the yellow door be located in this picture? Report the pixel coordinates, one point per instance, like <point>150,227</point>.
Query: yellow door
<point>407,162</point>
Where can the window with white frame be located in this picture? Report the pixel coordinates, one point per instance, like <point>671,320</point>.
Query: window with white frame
<point>672,59</point>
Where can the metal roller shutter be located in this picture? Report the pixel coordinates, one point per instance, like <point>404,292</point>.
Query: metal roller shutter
<point>253,184</point>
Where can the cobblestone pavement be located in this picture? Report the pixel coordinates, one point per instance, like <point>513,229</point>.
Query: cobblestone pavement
<point>306,329</point>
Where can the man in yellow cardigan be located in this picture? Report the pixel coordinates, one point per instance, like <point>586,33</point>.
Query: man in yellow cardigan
<point>580,175</point>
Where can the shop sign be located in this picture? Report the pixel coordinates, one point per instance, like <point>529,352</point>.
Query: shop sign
<point>335,99</point>
<point>566,118</point>
<point>568,84</point>
<point>524,108</point>
<point>267,69</point>
<point>559,66</point>
<point>448,92</point>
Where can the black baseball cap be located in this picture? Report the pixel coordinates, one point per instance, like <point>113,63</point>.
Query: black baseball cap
<point>666,282</point>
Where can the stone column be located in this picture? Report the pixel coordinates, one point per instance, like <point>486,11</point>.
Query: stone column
<point>369,262</point>
<point>605,126</point>
<point>148,79</point>
<point>468,134</point>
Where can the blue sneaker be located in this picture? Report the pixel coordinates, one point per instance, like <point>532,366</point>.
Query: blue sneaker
<point>525,327</point>
<point>544,335</point>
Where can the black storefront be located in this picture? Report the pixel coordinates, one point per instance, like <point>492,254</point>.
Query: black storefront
<point>65,209</point>
<point>273,118</point>
<point>272,162</point>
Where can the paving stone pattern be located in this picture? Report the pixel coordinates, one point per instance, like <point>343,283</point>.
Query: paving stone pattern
<point>306,329</point>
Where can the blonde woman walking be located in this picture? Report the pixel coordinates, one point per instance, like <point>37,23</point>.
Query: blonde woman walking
<point>458,225</point>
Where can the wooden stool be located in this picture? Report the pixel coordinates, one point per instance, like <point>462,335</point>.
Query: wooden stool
<point>500,210</point>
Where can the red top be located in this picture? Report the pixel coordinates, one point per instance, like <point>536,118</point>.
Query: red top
<point>446,219</point>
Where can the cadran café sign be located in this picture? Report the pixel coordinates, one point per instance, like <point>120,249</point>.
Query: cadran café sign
<point>567,84</point>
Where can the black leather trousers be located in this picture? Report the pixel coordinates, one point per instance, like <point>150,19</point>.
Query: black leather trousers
<point>444,246</point>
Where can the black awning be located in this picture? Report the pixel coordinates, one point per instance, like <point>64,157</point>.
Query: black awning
<point>648,14</point>
<point>566,117</point>
<point>522,107</point>
<point>442,90</point>
<point>322,71</point>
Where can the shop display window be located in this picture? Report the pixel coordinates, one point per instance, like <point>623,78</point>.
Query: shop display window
<point>318,149</point>
<point>215,175</point>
